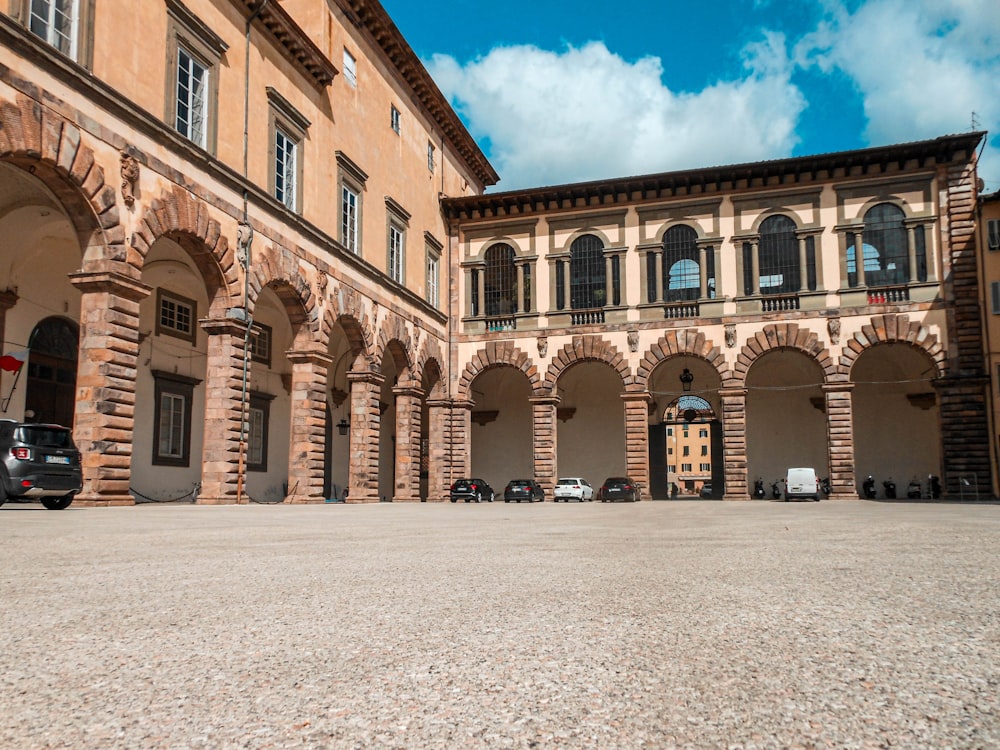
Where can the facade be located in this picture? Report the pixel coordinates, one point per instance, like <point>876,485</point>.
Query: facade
<point>989,269</point>
<point>252,259</point>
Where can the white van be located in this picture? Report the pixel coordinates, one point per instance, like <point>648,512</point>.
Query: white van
<point>801,484</point>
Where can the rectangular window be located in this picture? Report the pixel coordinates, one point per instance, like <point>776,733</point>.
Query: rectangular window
<point>616,285</point>
<point>258,417</point>
<point>670,432</point>
<point>260,344</point>
<point>172,420</point>
<point>811,263</point>
<point>705,467</point>
<point>430,156</point>
<point>175,315</point>
<point>528,302</point>
<point>560,285</point>
<point>686,467</point>
<point>349,207</point>
<point>995,296</point>
<point>747,268</point>
<point>702,433</point>
<point>55,21</point>
<point>687,449</point>
<point>395,266</point>
<point>993,234</point>
<point>672,468</point>
<point>650,277</point>
<point>394,119</point>
<point>192,99</point>
<point>474,289</point>
<point>285,164</point>
<point>350,68</point>
<point>704,450</point>
<point>433,265</point>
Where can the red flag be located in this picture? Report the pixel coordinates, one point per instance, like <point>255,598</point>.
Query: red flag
<point>12,361</point>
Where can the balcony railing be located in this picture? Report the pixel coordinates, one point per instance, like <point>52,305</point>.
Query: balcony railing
<point>500,323</point>
<point>587,317</point>
<point>681,310</point>
<point>888,294</point>
<point>778,303</point>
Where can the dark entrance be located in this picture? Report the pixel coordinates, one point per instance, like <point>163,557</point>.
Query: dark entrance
<point>51,388</point>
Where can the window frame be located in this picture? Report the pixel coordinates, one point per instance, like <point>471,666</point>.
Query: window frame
<point>350,68</point>
<point>395,118</point>
<point>291,125</point>
<point>186,31</point>
<point>500,280</point>
<point>431,157</point>
<point>778,254</point>
<point>258,402</point>
<point>178,387</point>
<point>432,270</point>
<point>588,273</point>
<point>993,235</point>
<point>261,352</point>
<point>164,295</point>
<point>354,180</point>
<point>397,223</point>
<point>82,45</point>
<point>680,247</point>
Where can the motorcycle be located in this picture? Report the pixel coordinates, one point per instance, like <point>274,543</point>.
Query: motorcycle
<point>890,488</point>
<point>914,490</point>
<point>869,487</point>
<point>824,484</point>
<point>776,490</point>
<point>758,489</point>
<point>934,486</point>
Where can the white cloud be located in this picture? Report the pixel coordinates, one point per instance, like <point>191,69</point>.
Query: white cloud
<point>922,67</point>
<point>586,113</point>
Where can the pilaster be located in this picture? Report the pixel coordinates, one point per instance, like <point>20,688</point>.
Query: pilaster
<point>307,446</point>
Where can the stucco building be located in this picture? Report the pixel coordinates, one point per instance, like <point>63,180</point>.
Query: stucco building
<point>252,257</point>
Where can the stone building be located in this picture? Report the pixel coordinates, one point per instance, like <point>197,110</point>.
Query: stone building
<point>249,248</point>
<point>989,269</point>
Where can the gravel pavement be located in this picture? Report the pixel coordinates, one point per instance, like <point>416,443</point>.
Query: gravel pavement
<point>655,625</point>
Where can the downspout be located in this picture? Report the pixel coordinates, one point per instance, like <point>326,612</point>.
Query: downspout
<point>244,241</point>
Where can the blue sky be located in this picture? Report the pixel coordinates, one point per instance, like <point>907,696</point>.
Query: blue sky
<point>557,91</point>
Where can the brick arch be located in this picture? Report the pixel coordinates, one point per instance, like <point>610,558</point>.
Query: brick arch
<point>498,354</point>
<point>282,272</point>
<point>895,329</point>
<point>394,329</point>
<point>36,139</point>
<point>181,218</point>
<point>347,308</point>
<point>588,348</point>
<point>779,336</point>
<point>430,358</point>
<point>684,341</point>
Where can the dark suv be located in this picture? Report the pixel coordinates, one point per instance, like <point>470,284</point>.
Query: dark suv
<point>38,461</point>
<point>475,490</point>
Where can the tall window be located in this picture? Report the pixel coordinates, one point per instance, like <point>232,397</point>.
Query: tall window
<point>288,128</point>
<point>430,156</point>
<point>175,315</point>
<point>681,272</point>
<point>285,165</point>
<point>588,274</point>
<point>500,280</point>
<point>396,253</point>
<point>779,256</point>
<point>258,418</point>
<point>56,21</point>
<point>350,68</point>
<point>172,420</point>
<point>394,118</point>
<point>349,209</point>
<point>397,222</point>
<point>192,99</point>
<point>885,234</point>
<point>433,277</point>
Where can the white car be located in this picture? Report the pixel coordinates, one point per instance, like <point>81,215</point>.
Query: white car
<point>573,488</point>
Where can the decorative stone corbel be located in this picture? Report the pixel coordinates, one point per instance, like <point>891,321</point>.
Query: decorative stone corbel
<point>543,345</point>
<point>833,326</point>
<point>130,176</point>
<point>730,335</point>
<point>633,341</point>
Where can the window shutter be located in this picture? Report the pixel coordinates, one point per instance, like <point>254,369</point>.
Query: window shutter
<point>994,233</point>
<point>995,292</point>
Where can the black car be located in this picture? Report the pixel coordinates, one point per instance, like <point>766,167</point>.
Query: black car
<point>38,461</point>
<point>471,490</point>
<point>619,488</point>
<point>523,489</point>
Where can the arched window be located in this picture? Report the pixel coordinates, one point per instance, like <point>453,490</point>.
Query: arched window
<point>681,272</point>
<point>500,279</point>
<point>587,287</point>
<point>779,256</point>
<point>886,254</point>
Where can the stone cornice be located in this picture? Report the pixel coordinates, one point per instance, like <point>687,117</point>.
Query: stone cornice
<point>298,47</point>
<point>369,16</point>
<point>689,184</point>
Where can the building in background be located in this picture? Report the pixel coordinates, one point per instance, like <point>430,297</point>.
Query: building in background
<point>989,278</point>
<point>249,249</point>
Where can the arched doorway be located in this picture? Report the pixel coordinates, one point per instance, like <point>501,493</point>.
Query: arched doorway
<point>51,390</point>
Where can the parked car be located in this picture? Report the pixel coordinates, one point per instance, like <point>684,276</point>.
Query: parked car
<point>39,461</point>
<point>573,488</point>
<point>706,490</point>
<point>619,488</point>
<point>801,484</point>
<point>523,489</point>
<point>471,490</point>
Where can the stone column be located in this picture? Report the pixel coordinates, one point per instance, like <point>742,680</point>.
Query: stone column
<point>637,438</point>
<point>703,271</point>
<point>911,253</point>
<point>365,422</point>
<point>755,267</point>
<point>859,257</point>
<point>7,300</point>
<point>543,438</point>
<point>439,451</point>
<point>519,280</point>
<point>224,413</point>
<point>734,442</point>
<point>407,485</point>
<point>105,384</point>
<point>803,266</point>
<point>567,299</point>
<point>840,440</point>
<point>609,281</point>
<point>307,443</point>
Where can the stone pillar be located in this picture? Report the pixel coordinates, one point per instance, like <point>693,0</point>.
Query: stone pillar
<point>105,384</point>
<point>543,439</point>
<point>803,266</point>
<point>658,276</point>
<point>407,485</point>
<point>7,300</point>
<point>703,272</point>
<point>734,442</point>
<point>755,267</point>
<point>840,440</point>
<point>519,280</point>
<point>911,253</point>
<point>637,439</point>
<point>439,451</point>
<point>307,443</point>
<point>859,257</point>
<point>365,422</point>
<point>609,281</point>
<point>224,413</point>
<point>567,299</point>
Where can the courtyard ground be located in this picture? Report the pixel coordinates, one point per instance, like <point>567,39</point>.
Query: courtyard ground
<point>656,625</point>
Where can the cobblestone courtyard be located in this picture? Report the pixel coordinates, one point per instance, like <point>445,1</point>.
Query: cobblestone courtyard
<point>684,624</point>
